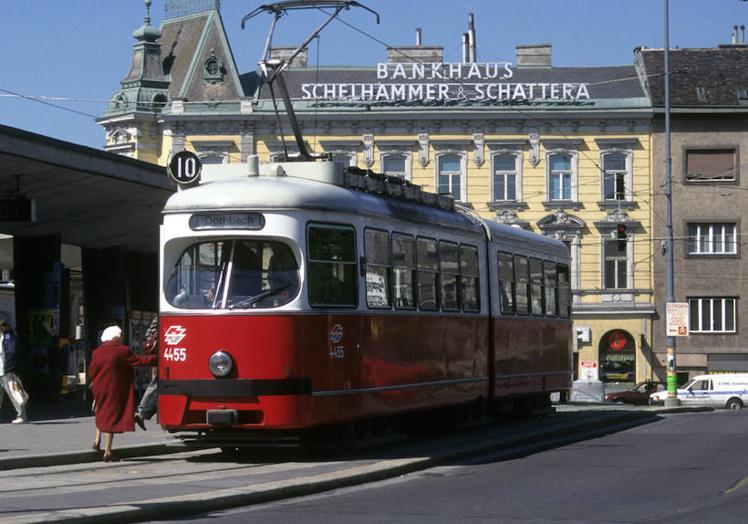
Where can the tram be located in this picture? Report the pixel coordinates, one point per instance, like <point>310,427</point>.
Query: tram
<point>297,295</point>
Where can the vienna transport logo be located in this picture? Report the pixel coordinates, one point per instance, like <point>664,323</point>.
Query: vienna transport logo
<point>174,335</point>
<point>336,333</point>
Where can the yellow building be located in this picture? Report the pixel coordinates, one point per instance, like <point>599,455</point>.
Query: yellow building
<point>560,151</point>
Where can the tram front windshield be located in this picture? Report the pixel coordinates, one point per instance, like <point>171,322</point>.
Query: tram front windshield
<point>234,274</point>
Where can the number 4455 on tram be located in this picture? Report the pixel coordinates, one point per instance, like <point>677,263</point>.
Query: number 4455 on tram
<point>298,296</point>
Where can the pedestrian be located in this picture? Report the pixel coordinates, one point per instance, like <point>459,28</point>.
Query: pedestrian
<point>10,382</point>
<point>111,377</point>
<point>149,401</point>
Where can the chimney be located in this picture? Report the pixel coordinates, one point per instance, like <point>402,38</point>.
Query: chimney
<point>737,39</point>
<point>471,39</point>
<point>534,55</point>
<point>465,55</point>
<point>283,53</point>
<point>419,36</point>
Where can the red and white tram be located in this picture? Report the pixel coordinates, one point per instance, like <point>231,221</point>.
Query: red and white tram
<point>304,297</point>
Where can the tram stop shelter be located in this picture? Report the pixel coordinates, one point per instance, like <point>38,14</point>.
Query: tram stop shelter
<point>56,195</point>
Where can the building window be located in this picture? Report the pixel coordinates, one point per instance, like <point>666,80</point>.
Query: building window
<point>711,315</point>
<point>711,165</point>
<point>712,239</point>
<point>615,264</point>
<point>395,165</point>
<point>616,177</point>
<point>560,176</point>
<point>213,70</point>
<point>450,176</point>
<point>213,158</point>
<point>505,177</point>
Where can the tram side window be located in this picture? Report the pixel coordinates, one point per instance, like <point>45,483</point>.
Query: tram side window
<point>506,283</point>
<point>564,291</point>
<point>449,265</point>
<point>536,286</point>
<point>404,271</point>
<point>377,250</point>
<point>470,278</point>
<point>551,288</point>
<point>521,273</point>
<point>428,267</point>
<point>332,266</point>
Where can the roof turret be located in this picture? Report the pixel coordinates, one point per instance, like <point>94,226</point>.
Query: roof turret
<point>147,33</point>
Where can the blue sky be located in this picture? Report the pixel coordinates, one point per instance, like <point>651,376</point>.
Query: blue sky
<point>77,51</point>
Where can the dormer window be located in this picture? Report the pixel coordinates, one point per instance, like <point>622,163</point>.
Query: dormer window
<point>213,70</point>
<point>119,101</point>
<point>159,101</point>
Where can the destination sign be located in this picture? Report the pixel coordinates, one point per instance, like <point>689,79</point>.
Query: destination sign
<point>206,221</point>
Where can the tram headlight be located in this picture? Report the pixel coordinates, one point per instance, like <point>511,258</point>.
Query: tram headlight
<point>220,364</point>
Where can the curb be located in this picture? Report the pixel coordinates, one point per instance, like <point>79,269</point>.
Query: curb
<point>250,494</point>
<point>83,457</point>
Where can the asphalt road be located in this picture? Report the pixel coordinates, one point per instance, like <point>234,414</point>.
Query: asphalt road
<point>185,483</point>
<point>680,469</point>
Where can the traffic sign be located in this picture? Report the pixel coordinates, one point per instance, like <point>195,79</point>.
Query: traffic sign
<point>184,168</point>
<point>676,315</point>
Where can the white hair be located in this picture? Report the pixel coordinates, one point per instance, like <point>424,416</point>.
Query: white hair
<point>111,333</point>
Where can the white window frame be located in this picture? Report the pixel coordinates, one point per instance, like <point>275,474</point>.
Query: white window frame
<point>708,229</point>
<point>408,173</point>
<point>463,171</point>
<point>628,175</point>
<point>517,175</point>
<point>210,150</point>
<point>573,179</point>
<point>709,302</point>
<point>629,262</point>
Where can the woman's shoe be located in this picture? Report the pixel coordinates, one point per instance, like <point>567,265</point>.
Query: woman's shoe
<point>108,457</point>
<point>96,446</point>
<point>140,422</point>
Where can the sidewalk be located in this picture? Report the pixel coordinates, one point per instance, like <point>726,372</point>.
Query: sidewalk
<point>62,433</point>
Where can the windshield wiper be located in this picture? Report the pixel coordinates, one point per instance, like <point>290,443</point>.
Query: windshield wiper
<point>253,300</point>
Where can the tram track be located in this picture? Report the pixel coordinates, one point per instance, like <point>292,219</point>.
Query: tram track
<point>198,481</point>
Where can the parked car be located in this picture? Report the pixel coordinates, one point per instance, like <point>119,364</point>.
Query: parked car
<point>727,390</point>
<point>638,395</point>
<point>616,371</point>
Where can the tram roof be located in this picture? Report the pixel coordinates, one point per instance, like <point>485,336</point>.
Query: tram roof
<point>288,192</point>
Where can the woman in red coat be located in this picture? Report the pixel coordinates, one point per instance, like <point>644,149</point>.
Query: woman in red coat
<point>111,376</point>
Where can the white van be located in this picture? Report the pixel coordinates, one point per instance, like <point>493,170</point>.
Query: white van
<point>728,390</point>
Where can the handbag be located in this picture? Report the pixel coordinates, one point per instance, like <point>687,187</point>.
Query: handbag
<point>16,389</point>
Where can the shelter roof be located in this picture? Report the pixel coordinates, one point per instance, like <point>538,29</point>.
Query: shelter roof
<point>89,197</point>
